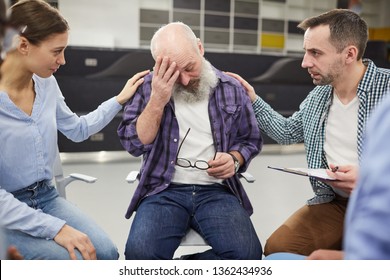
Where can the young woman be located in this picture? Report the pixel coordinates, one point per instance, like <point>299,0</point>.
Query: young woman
<point>32,108</point>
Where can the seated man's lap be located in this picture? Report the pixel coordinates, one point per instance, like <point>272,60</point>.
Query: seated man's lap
<point>159,224</point>
<point>162,220</point>
<point>226,226</point>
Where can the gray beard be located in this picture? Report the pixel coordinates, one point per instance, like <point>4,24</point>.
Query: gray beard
<point>197,90</point>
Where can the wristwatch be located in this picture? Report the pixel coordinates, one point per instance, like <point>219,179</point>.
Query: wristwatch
<point>236,163</point>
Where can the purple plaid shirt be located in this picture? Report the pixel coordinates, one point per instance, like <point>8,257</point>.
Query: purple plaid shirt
<point>233,126</point>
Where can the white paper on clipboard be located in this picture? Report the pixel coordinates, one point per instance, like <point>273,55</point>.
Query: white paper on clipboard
<point>315,173</point>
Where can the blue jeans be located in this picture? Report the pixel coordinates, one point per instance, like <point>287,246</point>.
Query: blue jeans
<point>45,197</point>
<point>162,220</point>
<point>284,256</point>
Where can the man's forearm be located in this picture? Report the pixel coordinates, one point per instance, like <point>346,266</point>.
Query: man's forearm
<point>148,123</point>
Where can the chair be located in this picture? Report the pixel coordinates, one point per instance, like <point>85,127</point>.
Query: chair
<point>192,238</point>
<point>61,182</point>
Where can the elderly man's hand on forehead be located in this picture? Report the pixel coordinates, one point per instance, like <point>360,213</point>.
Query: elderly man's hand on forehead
<point>164,78</point>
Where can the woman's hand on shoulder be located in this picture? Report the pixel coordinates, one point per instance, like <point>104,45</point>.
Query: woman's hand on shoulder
<point>130,87</point>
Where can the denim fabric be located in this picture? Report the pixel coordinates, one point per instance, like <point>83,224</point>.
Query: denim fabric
<point>3,247</point>
<point>162,220</point>
<point>45,198</point>
<point>284,256</point>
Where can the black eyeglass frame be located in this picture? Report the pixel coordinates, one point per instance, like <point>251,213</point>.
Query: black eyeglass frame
<point>189,163</point>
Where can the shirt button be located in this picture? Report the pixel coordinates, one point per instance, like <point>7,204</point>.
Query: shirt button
<point>175,140</point>
<point>172,162</point>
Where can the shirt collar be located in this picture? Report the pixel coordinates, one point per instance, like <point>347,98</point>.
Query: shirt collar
<point>367,81</point>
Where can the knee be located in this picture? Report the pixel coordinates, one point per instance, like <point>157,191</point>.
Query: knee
<point>133,252</point>
<point>251,251</point>
<point>271,246</point>
<point>250,254</point>
<point>137,250</point>
<point>242,254</point>
<point>254,252</point>
<point>285,240</point>
<point>277,243</point>
<point>274,245</point>
<point>107,252</point>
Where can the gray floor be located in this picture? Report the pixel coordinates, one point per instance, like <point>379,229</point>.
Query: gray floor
<point>274,195</point>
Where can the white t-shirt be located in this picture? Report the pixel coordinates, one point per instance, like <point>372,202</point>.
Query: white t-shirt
<point>341,134</point>
<point>198,145</point>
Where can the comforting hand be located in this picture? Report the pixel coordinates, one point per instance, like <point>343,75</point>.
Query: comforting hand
<point>249,89</point>
<point>130,87</point>
<point>72,239</point>
<point>326,255</point>
<point>222,167</point>
<point>164,78</point>
<point>346,177</point>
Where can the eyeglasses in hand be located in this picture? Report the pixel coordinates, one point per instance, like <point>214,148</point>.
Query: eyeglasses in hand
<point>185,163</point>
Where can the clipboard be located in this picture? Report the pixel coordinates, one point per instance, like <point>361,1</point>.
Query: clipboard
<point>308,172</point>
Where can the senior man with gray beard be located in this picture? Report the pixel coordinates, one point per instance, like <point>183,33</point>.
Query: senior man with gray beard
<point>195,128</point>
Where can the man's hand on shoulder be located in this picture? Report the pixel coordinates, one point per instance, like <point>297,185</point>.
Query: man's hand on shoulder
<point>249,89</point>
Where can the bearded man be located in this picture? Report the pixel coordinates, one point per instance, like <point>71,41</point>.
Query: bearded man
<point>196,130</point>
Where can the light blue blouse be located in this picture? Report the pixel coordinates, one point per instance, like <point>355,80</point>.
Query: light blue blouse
<point>28,145</point>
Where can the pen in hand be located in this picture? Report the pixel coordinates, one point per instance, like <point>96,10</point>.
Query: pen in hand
<point>334,169</point>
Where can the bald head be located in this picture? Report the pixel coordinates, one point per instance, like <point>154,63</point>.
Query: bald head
<point>172,39</point>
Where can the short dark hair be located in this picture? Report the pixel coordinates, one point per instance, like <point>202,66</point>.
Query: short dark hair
<point>346,28</point>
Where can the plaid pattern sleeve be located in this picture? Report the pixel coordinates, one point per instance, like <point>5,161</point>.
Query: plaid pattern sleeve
<point>308,123</point>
